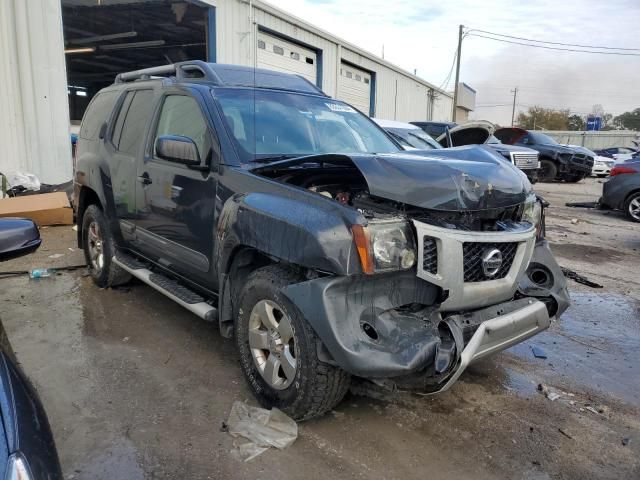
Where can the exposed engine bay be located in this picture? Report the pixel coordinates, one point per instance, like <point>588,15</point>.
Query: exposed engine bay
<point>348,186</point>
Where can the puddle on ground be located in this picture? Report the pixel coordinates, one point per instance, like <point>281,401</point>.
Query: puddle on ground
<point>594,345</point>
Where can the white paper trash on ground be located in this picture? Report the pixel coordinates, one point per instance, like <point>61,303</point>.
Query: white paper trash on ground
<point>257,429</point>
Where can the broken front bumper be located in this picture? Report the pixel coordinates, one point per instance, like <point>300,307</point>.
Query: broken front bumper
<point>390,328</point>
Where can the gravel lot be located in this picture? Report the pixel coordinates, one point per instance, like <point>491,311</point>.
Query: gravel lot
<point>136,387</point>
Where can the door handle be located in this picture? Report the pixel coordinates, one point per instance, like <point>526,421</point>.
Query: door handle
<point>144,179</point>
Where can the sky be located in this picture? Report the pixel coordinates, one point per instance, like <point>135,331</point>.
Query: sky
<point>423,35</point>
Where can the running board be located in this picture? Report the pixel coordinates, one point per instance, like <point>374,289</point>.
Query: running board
<point>168,287</point>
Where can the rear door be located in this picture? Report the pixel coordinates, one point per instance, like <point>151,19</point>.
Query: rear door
<point>175,209</point>
<point>125,143</point>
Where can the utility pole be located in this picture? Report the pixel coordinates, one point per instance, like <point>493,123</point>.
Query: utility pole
<point>455,91</point>
<point>513,112</point>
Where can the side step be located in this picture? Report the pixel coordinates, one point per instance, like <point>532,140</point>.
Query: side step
<point>168,287</point>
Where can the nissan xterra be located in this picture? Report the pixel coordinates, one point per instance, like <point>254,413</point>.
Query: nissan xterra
<point>256,201</point>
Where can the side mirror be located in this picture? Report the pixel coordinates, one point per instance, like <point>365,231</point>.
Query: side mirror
<point>179,149</point>
<point>18,237</point>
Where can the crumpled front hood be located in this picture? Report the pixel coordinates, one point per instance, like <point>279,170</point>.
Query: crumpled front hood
<point>557,148</point>
<point>452,179</point>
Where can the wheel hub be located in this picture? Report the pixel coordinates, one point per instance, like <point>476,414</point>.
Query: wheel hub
<point>634,208</point>
<point>95,244</point>
<point>272,344</point>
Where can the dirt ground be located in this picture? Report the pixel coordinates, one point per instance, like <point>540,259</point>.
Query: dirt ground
<point>136,387</point>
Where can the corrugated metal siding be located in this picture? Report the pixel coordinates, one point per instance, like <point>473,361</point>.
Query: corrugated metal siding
<point>398,96</point>
<point>35,130</point>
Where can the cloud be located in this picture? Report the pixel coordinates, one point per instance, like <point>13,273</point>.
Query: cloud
<point>422,35</point>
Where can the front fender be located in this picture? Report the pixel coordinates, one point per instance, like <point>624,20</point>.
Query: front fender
<point>311,235</point>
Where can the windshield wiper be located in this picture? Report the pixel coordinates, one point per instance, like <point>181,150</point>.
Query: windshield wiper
<point>274,158</point>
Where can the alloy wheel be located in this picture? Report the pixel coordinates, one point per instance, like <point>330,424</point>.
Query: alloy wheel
<point>96,245</point>
<point>272,344</point>
<point>634,208</point>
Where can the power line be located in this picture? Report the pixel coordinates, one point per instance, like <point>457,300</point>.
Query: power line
<point>553,48</point>
<point>444,84</point>
<point>552,43</point>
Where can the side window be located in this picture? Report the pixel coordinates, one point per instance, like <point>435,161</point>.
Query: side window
<point>117,128</point>
<point>181,115</point>
<point>97,113</point>
<point>136,122</point>
<point>526,140</point>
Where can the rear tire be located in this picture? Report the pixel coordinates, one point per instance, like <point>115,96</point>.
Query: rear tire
<point>279,354</point>
<point>548,171</point>
<point>632,207</point>
<point>99,249</point>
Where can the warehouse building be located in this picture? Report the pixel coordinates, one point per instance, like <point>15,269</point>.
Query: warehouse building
<point>59,53</point>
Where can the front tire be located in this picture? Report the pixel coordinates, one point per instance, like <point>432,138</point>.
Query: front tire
<point>632,207</point>
<point>548,171</point>
<point>279,349</point>
<point>99,249</point>
<point>574,178</point>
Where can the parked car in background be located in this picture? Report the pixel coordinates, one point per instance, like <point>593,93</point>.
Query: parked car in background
<point>435,129</point>
<point>27,449</point>
<point>601,165</point>
<point>307,234</point>
<point>479,133</point>
<point>617,153</point>
<point>408,135</point>
<point>622,190</point>
<point>557,162</point>
<point>482,132</point>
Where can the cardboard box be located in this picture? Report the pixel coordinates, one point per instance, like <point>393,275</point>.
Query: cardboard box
<point>44,209</point>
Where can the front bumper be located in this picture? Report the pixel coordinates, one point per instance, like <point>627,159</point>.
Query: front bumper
<point>416,345</point>
<point>600,169</point>
<point>500,333</point>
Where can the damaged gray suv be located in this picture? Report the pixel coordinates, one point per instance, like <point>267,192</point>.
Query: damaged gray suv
<point>307,234</point>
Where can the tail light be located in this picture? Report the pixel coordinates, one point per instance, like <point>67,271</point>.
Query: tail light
<point>620,169</point>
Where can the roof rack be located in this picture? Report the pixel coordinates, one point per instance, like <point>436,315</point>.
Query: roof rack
<point>193,70</point>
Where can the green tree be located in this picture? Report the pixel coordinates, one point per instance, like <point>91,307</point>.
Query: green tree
<point>628,120</point>
<point>539,118</point>
<point>575,122</point>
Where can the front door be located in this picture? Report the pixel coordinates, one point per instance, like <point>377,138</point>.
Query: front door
<point>175,209</point>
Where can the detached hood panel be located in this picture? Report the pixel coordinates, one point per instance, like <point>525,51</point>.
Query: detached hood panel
<point>453,179</point>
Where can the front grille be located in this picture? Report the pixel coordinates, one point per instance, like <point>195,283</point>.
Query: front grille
<point>473,253</point>
<point>525,160</point>
<point>430,255</point>
<point>579,158</point>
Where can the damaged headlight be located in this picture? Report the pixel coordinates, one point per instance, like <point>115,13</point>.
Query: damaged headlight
<point>385,246</point>
<point>533,214</point>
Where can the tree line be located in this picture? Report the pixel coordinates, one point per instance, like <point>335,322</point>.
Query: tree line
<point>540,118</point>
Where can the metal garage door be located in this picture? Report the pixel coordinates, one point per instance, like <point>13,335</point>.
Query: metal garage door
<point>277,54</point>
<point>355,87</point>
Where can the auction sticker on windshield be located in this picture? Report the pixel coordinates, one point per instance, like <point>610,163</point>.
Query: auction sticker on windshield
<point>337,107</point>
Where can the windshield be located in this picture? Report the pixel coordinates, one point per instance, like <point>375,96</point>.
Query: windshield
<point>542,138</point>
<point>267,124</point>
<point>415,138</point>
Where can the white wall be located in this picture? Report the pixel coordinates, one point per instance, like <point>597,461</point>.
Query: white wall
<point>399,95</point>
<point>34,131</point>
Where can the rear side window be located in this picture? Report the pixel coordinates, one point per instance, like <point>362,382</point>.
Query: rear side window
<point>97,113</point>
<point>117,128</point>
<point>135,123</point>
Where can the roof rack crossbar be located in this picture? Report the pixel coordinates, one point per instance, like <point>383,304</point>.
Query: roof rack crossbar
<point>181,70</point>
